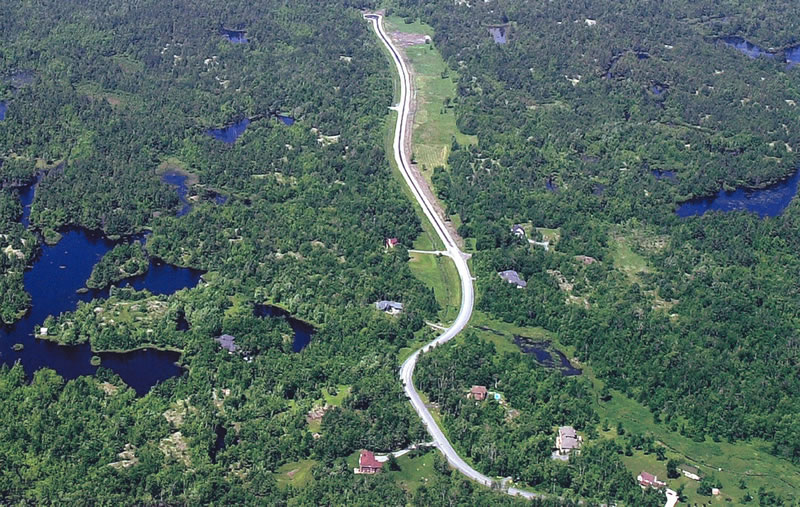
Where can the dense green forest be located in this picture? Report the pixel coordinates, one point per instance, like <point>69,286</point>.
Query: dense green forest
<point>589,99</point>
<point>105,97</point>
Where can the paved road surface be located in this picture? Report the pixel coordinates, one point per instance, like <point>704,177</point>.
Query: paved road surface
<point>460,259</point>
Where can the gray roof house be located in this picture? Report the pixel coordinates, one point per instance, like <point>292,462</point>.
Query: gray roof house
<point>567,440</point>
<point>226,341</point>
<point>518,231</point>
<point>512,276</point>
<point>389,306</point>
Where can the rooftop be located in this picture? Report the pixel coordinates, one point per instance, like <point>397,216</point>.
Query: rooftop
<point>367,459</point>
<point>512,276</point>
<point>227,342</point>
<point>389,305</point>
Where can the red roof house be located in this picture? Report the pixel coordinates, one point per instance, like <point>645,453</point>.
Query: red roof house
<point>478,393</point>
<point>391,242</point>
<point>367,464</point>
<point>649,480</point>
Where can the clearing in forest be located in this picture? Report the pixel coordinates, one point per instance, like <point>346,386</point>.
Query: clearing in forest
<point>435,84</point>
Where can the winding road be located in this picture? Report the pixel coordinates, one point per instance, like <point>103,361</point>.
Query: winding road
<point>454,252</point>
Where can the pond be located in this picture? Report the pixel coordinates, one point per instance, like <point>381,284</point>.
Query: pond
<point>746,47</point>
<point>498,33</point>
<point>792,56</point>
<point>52,282</point>
<point>231,133</point>
<point>287,120</point>
<point>542,352</point>
<point>659,88</point>
<point>664,174</point>
<point>767,202</point>
<point>235,36</point>
<point>178,180</point>
<point>3,109</point>
<point>550,185</point>
<point>302,330</point>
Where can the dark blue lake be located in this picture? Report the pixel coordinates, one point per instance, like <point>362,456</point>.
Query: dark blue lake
<point>767,202</point>
<point>235,36</point>
<point>498,33</point>
<point>178,180</point>
<point>3,109</point>
<point>57,273</point>
<point>542,352</point>
<point>746,47</point>
<point>232,132</point>
<point>302,330</point>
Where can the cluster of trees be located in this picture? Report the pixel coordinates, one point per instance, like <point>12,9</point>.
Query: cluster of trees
<point>123,261</point>
<point>515,438</point>
<point>573,115</point>
<point>17,248</point>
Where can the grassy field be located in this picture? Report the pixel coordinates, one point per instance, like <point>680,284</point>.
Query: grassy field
<point>297,474</point>
<point>337,399</point>
<point>628,261</point>
<point>414,472</point>
<point>750,461</point>
<point>434,124</point>
<point>439,273</point>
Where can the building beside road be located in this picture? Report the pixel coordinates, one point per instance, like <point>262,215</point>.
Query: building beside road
<point>647,480</point>
<point>367,464</point>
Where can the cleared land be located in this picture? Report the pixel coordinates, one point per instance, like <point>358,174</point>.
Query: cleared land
<point>750,460</point>
<point>434,123</point>
<point>439,273</point>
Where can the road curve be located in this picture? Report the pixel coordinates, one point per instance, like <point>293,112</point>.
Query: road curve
<point>467,290</point>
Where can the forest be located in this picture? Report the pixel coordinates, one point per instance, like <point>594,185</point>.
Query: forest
<point>575,116</point>
<point>105,98</point>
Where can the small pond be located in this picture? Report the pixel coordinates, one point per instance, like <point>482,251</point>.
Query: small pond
<point>3,109</point>
<point>767,202</point>
<point>178,180</point>
<point>543,351</point>
<point>498,33</point>
<point>235,36</point>
<point>550,185</point>
<point>746,47</point>
<point>302,330</point>
<point>659,88</point>
<point>230,133</point>
<point>287,120</point>
<point>664,174</point>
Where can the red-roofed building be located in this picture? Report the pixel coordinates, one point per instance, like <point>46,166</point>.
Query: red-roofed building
<point>367,464</point>
<point>478,393</point>
<point>391,242</point>
<point>649,480</point>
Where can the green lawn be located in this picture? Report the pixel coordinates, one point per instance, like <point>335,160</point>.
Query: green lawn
<point>336,400</point>
<point>501,334</point>
<point>297,474</point>
<point>749,460</point>
<point>439,273</point>
<point>414,472</point>
<point>628,261</point>
<point>434,124</point>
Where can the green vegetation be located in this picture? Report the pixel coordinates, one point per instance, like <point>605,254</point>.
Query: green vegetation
<point>439,273</point>
<point>123,261</point>
<point>434,116</point>
<point>297,474</point>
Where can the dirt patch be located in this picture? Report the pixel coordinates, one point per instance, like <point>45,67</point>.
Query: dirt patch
<point>292,473</point>
<point>127,458</point>
<point>408,39</point>
<point>175,446</point>
<point>317,413</point>
<point>108,388</point>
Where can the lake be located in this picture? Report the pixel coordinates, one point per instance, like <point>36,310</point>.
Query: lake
<point>57,273</point>
<point>287,120</point>
<point>542,352</point>
<point>302,330</point>
<point>178,180</point>
<point>792,56</point>
<point>3,109</point>
<point>231,133</point>
<point>498,33</point>
<point>235,36</point>
<point>746,47</point>
<point>767,202</point>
